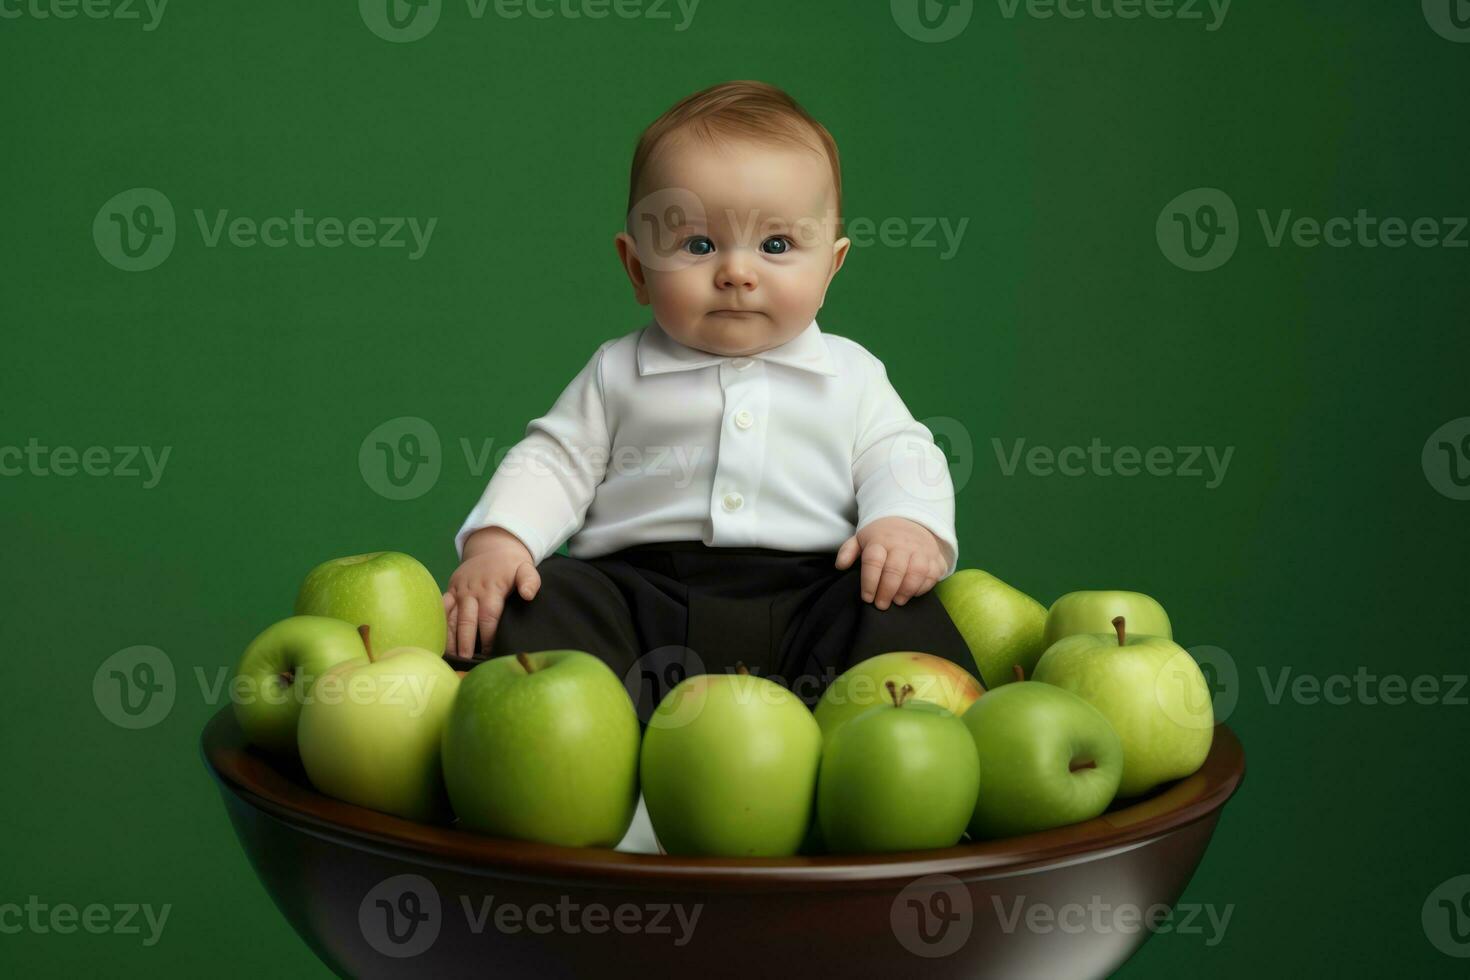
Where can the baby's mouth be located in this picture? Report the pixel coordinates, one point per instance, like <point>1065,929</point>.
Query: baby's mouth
<point>734,313</point>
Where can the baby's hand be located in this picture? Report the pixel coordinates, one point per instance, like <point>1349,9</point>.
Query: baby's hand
<point>901,559</point>
<point>495,561</point>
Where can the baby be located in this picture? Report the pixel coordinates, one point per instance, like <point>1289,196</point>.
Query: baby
<point>733,484</point>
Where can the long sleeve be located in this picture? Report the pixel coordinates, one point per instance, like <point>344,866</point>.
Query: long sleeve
<point>542,488</point>
<point>897,469</point>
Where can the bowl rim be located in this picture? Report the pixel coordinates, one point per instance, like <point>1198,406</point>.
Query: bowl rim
<point>277,786</point>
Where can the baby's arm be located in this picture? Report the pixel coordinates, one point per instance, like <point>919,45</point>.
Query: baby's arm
<point>905,528</point>
<point>537,499</point>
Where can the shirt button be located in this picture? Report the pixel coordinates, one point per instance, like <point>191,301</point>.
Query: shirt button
<point>741,363</point>
<point>744,419</point>
<point>733,501</point>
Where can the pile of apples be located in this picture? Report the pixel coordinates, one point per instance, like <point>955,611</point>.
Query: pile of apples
<point>904,751</point>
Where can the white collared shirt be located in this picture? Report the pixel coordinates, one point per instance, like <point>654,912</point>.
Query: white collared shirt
<point>794,448</point>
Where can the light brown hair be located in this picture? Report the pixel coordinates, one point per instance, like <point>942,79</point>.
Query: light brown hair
<point>739,110</point>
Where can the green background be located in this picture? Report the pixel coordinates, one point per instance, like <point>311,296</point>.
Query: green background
<point>1325,549</point>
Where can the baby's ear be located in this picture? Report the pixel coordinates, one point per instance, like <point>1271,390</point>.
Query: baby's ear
<point>628,256</point>
<point>839,255</point>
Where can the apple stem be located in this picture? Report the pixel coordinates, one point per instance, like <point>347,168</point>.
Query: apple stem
<point>1118,624</point>
<point>1019,671</point>
<point>897,695</point>
<point>1076,766</point>
<point>525,663</point>
<point>365,631</point>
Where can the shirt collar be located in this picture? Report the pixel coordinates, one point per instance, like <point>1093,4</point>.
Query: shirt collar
<point>658,353</point>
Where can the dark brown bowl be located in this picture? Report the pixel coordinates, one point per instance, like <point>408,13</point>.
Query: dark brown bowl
<point>374,895</point>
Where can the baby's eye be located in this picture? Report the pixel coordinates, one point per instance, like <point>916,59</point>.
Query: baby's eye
<point>699,245</point>
<point>778,245</point>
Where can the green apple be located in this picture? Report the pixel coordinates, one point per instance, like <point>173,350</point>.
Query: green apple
<point>864,686</point>
<point>277,671</point>
<point>544,747</point>
<point>901,776</point>
<point>1047,758</point>
<point>811,845</point>
<point>1094,612</point>
<point>730,767</point>
<point>1152,692</point>
<point>370,732</point>
<point>1002,625</point>
<point>387,590</point>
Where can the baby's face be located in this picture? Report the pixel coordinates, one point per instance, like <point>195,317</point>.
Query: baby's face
<point>733,245</point>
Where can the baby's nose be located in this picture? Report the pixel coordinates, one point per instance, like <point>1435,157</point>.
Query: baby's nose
<point>736,272</point>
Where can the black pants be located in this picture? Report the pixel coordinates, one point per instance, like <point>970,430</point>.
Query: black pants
<point>662,612</point>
